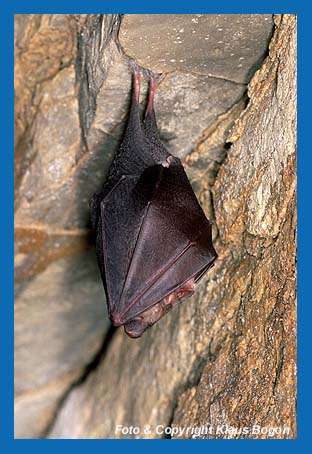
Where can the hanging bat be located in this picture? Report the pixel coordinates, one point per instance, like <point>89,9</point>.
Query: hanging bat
<point>153,240</point>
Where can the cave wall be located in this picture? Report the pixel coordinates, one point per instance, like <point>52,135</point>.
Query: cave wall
<point>226,105</point>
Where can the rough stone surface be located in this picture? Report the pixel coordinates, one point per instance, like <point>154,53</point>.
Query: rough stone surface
<point>185,105</point>
<point>35,410</point>
<point>60,317</point>
<point>70,120</point>
<point>227,46</point>
<point>44,44</point>
<point>227,356</point>
<point>251,375</point>
<point>73,316</point>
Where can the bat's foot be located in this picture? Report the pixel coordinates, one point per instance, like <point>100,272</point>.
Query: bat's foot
<point>136,79</point>
<point>152,88</point>
<point>133,66</point>
<point>137,86</point>
<point>148,73</point>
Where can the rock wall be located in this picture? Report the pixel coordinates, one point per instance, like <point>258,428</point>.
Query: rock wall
<point>227,356</point>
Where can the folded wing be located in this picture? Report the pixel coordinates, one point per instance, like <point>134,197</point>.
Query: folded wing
<point>155,238</point>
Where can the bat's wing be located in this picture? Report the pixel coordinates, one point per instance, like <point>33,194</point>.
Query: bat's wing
<point>122,213</point>
<point>155,238</point>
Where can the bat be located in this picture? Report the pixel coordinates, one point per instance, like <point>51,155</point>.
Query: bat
<point>153,240</point>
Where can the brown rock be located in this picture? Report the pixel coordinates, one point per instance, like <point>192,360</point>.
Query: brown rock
<point>60,315</point>
<point>228,355</point>
<point>251,377</point>
<point>35,410</point>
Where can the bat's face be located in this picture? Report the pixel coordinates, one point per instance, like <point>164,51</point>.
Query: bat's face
<point>137,326</point>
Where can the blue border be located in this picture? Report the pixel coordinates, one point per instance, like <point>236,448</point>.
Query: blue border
<point>196,6</point>
<point>7,10</point>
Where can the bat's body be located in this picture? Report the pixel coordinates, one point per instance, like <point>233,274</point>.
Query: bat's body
<point>153,241</point>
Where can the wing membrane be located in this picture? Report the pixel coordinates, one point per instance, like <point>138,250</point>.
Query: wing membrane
<point>170,240</point>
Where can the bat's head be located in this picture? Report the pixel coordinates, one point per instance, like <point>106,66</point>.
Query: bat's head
<point>136,327</point>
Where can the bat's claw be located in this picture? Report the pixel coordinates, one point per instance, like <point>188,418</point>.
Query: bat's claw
<point>148,73</point>
<point>133,66</point>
